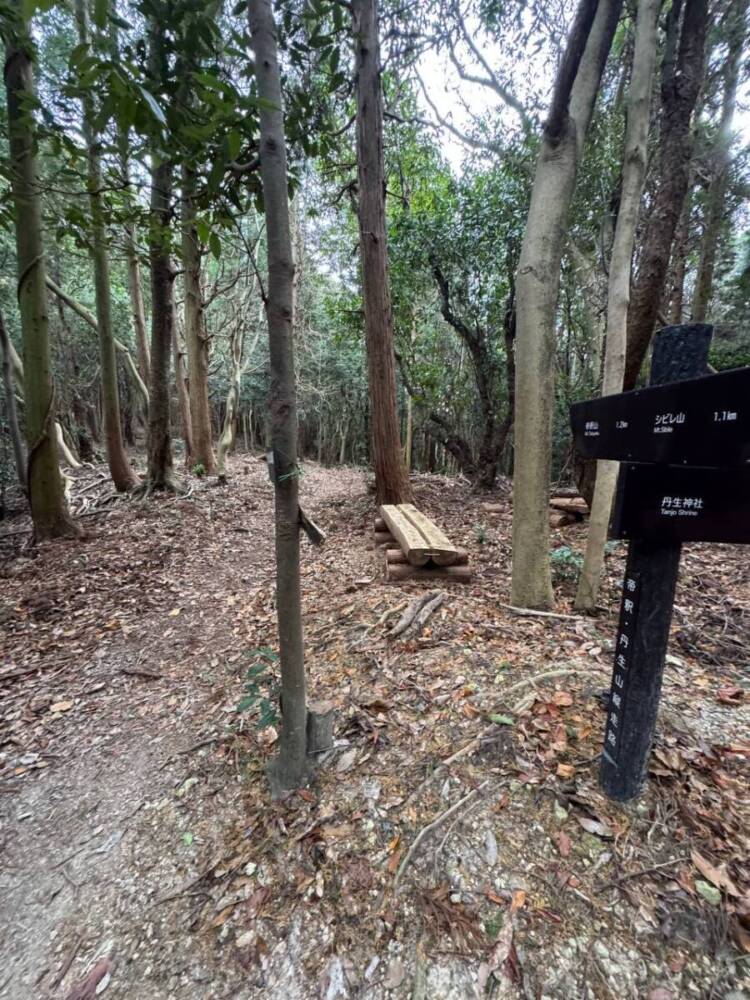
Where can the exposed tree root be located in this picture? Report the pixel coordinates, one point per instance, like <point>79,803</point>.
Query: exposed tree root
<point>168,485</point>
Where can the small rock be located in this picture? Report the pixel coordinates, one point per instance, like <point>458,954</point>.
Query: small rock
<point>490,848</point>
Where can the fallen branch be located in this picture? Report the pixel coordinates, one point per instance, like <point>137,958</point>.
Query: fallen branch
<point>643,871</point>
<point>137,671</point>
<point>413,613</point>
<point>539,614</point>
<point>431,827</point>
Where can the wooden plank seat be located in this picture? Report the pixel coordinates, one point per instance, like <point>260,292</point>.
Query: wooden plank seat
<point>420,538</point>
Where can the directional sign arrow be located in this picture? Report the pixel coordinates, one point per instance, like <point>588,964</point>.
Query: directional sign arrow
<point>701,421</point>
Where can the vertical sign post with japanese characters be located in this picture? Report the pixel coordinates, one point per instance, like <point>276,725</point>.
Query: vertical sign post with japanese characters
<point>680,352</point>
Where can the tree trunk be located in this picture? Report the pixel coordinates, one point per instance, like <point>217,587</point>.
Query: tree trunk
<point>45,486</point>
<point>391,480</point>
<point>183,395</point>
<point>162,322</point>
<point>715,207</point>
<point>679,261</point>
<point>162,299</point>
<point>196,336</point>
<point>289,769</point>
<point>122,474</point>
<point>633,173</point>
<point>19,452</point>
<point>231,407</point>
<point>681,81</point>
<point>537,289</point>
<point>137,308</point>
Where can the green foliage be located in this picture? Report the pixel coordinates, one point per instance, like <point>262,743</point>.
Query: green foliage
<point>261,688</point>
<point>199,470</point>
<point>566,563</point>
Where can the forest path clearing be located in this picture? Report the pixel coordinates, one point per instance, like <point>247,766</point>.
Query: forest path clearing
<point>127,775</point>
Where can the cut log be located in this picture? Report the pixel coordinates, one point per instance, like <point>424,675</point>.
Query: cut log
<point>570,505</point>
<point>385,538</point>
<point>320,719</point>
<point>419,538</point>
<point>559,519</point>
<point>394,556</point>
<point>380,524</point>
<point>405,571</point>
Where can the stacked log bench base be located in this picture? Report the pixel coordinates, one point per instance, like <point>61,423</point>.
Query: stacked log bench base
<point>416,549</point>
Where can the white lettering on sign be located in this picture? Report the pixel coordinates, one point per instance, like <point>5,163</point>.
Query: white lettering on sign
<point>664,422</point>
<point>681,506</point>
<point>623,652</point>
<point>621,425</point>
<point>723,416</point>
<point>591,429</point>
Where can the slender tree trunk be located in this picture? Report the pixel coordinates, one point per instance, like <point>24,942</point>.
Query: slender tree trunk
<point>537,289</point>
<point>19,451</point>
<point>183,395</point>
<point>137,308</point>
<point>196,337</point>
<point>289,769</point>
<point>226,440</point>
<point>45,486</point>
<point>681,80</point>
<point>679,261</point>
<point>391,480</point>
<point>122,474</point>
<point>633,173</point>
<point>715,208</point>
<point>127,358</point>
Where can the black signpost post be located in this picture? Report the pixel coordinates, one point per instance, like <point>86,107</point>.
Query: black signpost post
<point>686,444</point>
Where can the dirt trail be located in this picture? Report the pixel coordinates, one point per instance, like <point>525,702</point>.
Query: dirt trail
<point>136,824</point>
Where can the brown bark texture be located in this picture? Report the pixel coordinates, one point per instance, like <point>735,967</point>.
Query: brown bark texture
<point>391,479</point>
<point>682,73</point>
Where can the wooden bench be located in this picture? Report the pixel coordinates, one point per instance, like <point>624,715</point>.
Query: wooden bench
<point>420,538</point>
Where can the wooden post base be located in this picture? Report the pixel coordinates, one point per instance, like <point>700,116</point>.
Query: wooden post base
<point>405,571</point>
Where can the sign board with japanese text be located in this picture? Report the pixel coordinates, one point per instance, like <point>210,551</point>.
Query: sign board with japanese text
<point>685,445</point>
<point>702,421</point>
<point>682,504</point>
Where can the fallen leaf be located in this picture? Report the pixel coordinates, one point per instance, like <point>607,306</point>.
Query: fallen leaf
<point>519,900</point>
<point>709,892</point>
<point>563,844</point>
<point>346,761</point>
<point>502,720</point>
<point>61,706</point>
<point>565,770</point>
<point>562,698</point>
<point>717,876</point>
<point>396,974</point>
<point>731,695</point>
<point>595,826</point>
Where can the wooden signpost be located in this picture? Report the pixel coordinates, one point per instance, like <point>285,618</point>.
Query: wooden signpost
<point>685,442</point>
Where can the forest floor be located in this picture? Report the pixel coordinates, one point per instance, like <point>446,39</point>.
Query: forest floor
<point>141,855</point>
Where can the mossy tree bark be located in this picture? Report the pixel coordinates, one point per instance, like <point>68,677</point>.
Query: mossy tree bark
<point>45,486</point>
<point>289,769</point>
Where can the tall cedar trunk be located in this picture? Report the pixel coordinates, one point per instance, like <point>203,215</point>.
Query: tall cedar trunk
<point>289,769</point>
<point>196,336</point>
<point>162,321</point>
<point>681,80</point>
<point>633,173</point>
<point>391,479</point>
<point>122,475</point>
<point>715,208</point>
<point>162,298</point>
<point>19,452</point>
<point>537,287</point>
<point>45,486</point>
